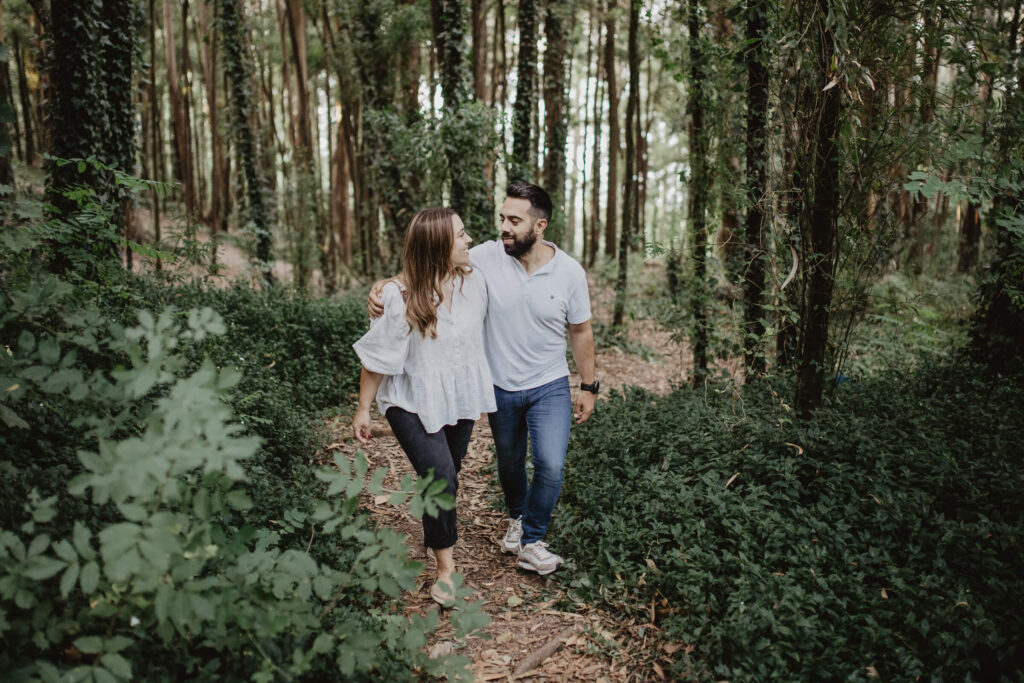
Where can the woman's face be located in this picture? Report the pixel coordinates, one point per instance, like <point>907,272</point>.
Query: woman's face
<point>460,248</point>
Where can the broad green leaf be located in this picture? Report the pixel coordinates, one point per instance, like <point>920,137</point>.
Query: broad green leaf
<point>70,578</point>
<point>89,645</point>
<point>90,578</point>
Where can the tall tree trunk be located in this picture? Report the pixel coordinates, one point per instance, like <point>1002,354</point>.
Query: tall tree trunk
<point>821,257</point>
<point>595,162</point>
<point>154,126</point>
<point>630,189</point>
<point>308,201</point>
<point>499,59</point>
<point>970,238</point>
<point>556,105</point>
<point>612,207</point>
<point>754,313</point>
<point>523,159</point>
<point>26,102</point>
<point>698,192</point>
<point>182,135</point>
<point>478,21</point>
<point>6,110</point>
<point>231,25</point>
<point>219,196</point>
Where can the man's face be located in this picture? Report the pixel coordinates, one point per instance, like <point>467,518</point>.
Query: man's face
<point>519,228</point>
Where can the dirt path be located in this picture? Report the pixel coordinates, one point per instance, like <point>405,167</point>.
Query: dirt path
<point>529,614</point>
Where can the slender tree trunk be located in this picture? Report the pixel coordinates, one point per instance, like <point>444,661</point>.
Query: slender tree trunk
<point>178,116</point>
<point>630,188</point>
<point>523,159</point>
<point>970,238</point>
<point>232,26</point>
<point>478,21</point>
<point>595,163</point>
<point>26,102</point>
<point>308,199</point>
<point>219,197</point>
<point>556,105</point>
<point>754,313</point>
<point>499,60</point>
<point>584,112</point>
<point>821,256</point>
<point>6,111</point>
<point>612,206</point>
<point>156,159</point>
<point>698,193</point>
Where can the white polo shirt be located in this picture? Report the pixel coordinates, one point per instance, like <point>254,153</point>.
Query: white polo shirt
<point>524,332</point>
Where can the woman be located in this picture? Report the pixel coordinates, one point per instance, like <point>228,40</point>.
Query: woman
<point>424,361</point>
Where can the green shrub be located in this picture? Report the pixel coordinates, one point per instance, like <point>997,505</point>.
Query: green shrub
<point>175,582</point>
<point>146,530</point>
<point>885,533</point>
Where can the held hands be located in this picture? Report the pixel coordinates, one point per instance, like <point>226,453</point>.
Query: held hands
<point>361,426</point>
<point>584,406</point>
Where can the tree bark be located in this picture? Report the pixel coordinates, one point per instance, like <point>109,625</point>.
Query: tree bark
<point>26,103</point>
<point>231,25</point>
<point>754,313</point>
<point>612,207</point>
<point>182,135</point>
<point>595,163</point>
<point>478,21</point>
<point>308,195</point>
<point>821,256</point>
<point>6,114</point>
<point>698,193</point>
<point>523,161</point>
<point>220,198</point>
<point>630,189</point>
<point>556,105</point>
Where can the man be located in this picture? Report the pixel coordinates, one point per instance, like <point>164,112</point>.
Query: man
<point>535,291</point>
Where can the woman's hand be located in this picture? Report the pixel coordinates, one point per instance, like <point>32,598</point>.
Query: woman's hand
<point>361,426</point>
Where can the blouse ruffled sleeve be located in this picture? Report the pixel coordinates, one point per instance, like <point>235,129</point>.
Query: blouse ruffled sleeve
<point>384,347</point>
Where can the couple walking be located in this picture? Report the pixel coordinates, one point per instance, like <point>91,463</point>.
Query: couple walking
<point>462,332</point>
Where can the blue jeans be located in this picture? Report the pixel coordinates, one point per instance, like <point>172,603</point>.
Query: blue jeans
<point>544,414</point>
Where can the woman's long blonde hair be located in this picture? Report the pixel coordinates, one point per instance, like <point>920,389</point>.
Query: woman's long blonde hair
<point>426,263</point>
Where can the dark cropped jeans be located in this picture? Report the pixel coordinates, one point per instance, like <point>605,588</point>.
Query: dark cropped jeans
<point>441,452</point>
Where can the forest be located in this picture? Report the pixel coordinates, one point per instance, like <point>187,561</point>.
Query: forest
<point>803,229</point>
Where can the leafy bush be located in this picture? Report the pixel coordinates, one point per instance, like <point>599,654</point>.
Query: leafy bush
<point>146,530</point>
<point>883,536</point>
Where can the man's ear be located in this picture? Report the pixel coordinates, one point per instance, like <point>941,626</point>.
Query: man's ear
<point>540,225</point>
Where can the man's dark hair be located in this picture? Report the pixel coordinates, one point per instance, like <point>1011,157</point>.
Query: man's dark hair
<point>540,201</point>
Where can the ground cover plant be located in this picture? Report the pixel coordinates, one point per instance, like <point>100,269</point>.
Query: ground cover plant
<point>165,514</point>
<point>881,538</point>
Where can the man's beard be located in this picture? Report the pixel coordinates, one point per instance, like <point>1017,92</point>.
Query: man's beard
<point>520,246</point>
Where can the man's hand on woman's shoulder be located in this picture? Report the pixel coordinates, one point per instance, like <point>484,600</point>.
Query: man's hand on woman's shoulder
<point>375,299</point>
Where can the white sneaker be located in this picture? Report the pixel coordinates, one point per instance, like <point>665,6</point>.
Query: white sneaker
<point>510,544</point>
<point>537,558</point>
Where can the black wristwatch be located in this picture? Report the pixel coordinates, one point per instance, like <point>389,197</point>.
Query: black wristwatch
<point>592,388</point>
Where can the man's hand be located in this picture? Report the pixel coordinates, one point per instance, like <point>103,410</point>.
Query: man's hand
<point>584,406</point>
<point>375,301</point>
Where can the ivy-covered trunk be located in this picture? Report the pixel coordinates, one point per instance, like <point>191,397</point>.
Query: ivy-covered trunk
<point>231,25</point>
<point>757,171</point>
<point>698,193</point>
<point>523,159</point>
<point>556,105</point>
<point>820,257</point>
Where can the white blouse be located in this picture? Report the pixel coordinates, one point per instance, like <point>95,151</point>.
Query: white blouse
<point>441,380</point>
